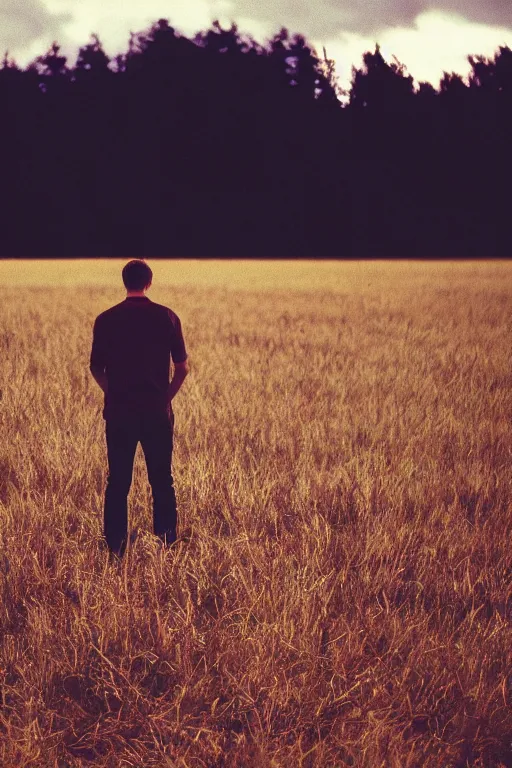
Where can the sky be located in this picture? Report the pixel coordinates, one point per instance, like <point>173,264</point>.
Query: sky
<point>429,37</point>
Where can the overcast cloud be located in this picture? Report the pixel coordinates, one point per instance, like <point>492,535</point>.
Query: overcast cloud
<point>366,17</point>
<point>23,21</point>
<point>429,38</point>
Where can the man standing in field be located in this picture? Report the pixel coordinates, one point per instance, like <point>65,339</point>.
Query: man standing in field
<point>130,359</point>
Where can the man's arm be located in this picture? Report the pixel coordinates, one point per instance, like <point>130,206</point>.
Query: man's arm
<point>97,363</point>
<point>181,371</point>
<point>101,377</point>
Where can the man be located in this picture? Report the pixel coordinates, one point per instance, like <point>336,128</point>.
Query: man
<point>130,359</point>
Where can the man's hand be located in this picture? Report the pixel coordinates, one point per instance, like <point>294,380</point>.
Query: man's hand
<point>181,371</point>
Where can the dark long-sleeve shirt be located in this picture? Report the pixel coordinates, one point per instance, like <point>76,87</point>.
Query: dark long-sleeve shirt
<point>133,342</point>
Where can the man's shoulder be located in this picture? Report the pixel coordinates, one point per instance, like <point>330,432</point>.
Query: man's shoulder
<point>118,309</point>
<point>107,313</point>
<point>164,310</point>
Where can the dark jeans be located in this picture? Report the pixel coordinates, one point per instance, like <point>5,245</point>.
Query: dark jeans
<point>155,433</point>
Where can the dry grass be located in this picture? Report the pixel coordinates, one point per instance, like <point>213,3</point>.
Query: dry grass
<point>343,454</point>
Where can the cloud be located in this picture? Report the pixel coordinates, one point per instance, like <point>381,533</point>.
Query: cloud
<point>438,42</point>
<point>365,17</point>
<point>22,23</point>
<point>28,27</point>
<point>428,38</point>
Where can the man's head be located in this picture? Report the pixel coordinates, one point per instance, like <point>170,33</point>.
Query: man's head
<point>137,276</point>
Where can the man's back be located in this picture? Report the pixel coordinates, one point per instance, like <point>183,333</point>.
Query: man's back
<point>134,341</point>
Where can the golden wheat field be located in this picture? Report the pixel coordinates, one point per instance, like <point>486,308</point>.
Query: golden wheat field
<point>343,469</point>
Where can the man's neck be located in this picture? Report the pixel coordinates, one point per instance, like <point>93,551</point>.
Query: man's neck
<point>132,294</point>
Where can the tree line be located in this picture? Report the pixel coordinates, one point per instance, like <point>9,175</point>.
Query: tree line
<point>218,146</point>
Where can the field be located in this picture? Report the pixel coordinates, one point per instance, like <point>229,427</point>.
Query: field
<point>343,469</point>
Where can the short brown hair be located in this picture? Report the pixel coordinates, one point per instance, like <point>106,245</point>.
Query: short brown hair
<point>137,275</point>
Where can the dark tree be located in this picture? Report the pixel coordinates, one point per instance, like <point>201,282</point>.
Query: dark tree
<point>379,85</point>
<point>219,146</point>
